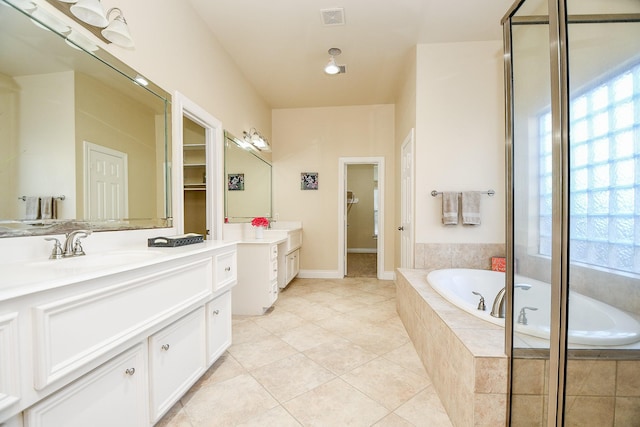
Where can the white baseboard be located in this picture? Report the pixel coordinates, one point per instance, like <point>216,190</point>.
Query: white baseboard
<point>334,274</point>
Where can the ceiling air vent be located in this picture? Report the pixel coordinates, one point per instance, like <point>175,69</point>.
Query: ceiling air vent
<point>332,17</point>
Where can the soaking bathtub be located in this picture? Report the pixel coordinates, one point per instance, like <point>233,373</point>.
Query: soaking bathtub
<point>591,322</point>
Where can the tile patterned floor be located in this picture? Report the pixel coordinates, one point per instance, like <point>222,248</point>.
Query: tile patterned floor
<point>331,353</point>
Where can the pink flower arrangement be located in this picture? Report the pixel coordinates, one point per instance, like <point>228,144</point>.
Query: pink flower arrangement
<point>260,221</point>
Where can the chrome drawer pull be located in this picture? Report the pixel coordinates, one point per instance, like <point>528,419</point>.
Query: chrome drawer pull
<point>165,347</point>
<point>216,312</point>
<point>227,269</point>
<point>130,371</point>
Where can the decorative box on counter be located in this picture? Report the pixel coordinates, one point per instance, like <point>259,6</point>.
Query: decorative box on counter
<point>174,241</point>
<point>499,263</point>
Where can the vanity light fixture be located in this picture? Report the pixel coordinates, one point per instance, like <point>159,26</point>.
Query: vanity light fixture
<point>43,19</point>
<point>332,68</point>
<point>90,12</point>
<point>80,42</point>
<point>256,140</point>
<point>117,32</point>
<point>141,80</point>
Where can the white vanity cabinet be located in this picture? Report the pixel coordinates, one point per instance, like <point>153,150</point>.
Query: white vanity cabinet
<point>257,287</point>
<point>290,258</point>
<point>89,345</point>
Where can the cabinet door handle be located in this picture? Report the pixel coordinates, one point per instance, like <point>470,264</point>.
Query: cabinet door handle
<point>227,269</point>
<point>216,312</point>
<point>130,371</point>
<point>165,347</point>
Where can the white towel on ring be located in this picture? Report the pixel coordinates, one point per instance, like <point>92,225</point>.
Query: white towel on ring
<point>450,207</point>
<point>471,208</point>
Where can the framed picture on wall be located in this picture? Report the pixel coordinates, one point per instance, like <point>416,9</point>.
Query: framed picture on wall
<point>235,181</point>
<point>309,181</point>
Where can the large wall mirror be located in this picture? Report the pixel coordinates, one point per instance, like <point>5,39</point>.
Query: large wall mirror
<point>80,139</point>
<point>248,182</point>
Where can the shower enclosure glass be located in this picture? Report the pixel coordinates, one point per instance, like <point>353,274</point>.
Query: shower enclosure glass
<point>572,72</point>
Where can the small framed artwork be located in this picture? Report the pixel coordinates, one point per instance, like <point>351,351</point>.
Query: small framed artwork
<point>309,181</point>
<point>235,181</point>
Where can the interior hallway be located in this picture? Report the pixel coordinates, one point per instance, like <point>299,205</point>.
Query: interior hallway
<point>361,264</point>
<point>332,352</point>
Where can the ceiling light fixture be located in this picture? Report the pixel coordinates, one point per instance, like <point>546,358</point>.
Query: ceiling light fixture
<point>91,12</point>
<point>117,32</point>
<point>256,140</point>
<point>331,67</point>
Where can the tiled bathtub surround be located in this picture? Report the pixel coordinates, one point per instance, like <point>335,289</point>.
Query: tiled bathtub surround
<point>432,256</point>
<point>599,392</point>
<point>463,355</point>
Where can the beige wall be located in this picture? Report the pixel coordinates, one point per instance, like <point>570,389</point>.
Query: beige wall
<point>176,50</point>
<point>459,137</point>
<point>313,140</point>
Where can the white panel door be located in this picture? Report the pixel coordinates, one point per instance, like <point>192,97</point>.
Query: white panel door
<point>105,187</point>
<point>406,203</point>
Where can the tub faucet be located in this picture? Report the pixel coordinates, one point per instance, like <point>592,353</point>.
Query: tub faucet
<point>499,308</point>
<point>522,317</point>
<point>481,305</point>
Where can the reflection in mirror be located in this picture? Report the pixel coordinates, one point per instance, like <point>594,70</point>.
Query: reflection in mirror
<point>79,140</point>
<point>248,182</point>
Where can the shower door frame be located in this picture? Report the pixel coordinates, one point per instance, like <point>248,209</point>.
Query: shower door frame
<point>558,21</point>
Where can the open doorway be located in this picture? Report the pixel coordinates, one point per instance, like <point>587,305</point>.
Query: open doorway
<point>362,220</point>
<point>361,234</point>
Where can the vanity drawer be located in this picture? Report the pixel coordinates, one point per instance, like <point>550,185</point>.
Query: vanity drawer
<point>274,252</point>
<point>226,270</point>
<point>177,359</point>
<point>72,332</point>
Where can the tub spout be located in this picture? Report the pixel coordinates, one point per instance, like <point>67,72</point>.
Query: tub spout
<point>499,305</point>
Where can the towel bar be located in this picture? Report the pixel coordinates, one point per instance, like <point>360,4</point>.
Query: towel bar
<point>435,193</point>
<point>24,198</point>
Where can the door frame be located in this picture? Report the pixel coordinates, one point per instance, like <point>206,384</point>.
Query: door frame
<point>214,139</point>
<point>343,162</point>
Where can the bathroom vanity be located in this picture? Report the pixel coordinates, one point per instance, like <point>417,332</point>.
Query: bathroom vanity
<point>265,265</point>
<point>112,338</point>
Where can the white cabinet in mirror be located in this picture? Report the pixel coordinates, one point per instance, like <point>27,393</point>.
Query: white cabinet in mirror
<point>63,112</point>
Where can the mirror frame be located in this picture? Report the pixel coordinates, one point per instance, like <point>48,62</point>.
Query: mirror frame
<point>20,228</point>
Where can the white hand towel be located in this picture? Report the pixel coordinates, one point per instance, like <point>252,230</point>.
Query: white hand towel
<point>48,208</point>
<point>471,208</point>
<point>32,210</point>
<point>449,208</point>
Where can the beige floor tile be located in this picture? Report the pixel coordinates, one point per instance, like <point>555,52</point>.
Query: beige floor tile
<point>379,338</point>
<point>425,409</point>
<point>387,383</point>
<point>313,312</point>
<point>247,330</point>
<point>276,417</point>
<point>393,420</point>
<point>340,356</point>
<point>335,403</point>
<point>307,336</point>
<point>229,402</point>
<point>290,377</point>
<point>252,355</point>
<point>176,417</point>
<point>224,368</point>
<point>278,320</point>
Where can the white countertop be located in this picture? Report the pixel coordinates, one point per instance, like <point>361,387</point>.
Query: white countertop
<point>26,277</point>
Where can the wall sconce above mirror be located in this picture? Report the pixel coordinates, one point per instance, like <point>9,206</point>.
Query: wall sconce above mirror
<point>91,15</point>
<point>253,138</point>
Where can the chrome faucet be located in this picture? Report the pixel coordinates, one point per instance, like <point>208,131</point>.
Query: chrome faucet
<point>522,317</point>
<point>71,247</point>
<point>499,306</point>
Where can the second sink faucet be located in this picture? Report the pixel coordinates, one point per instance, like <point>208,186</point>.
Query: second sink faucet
<point>499,306</point>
